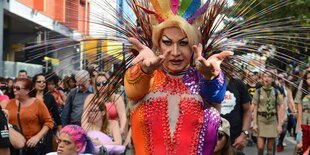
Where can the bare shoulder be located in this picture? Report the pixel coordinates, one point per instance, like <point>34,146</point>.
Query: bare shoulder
<point>116,96</point>
<point>88,99</point>
<point>90,96</point>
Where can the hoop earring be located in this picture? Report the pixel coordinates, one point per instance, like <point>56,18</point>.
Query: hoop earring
<point>157,52</point>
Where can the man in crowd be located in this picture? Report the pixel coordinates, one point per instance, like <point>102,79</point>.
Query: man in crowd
<point>72,112</point>
<point>236,108</point>
<point>22,74</point>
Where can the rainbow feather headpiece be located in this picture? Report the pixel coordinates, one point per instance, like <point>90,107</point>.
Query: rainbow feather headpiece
<point>188,9</point>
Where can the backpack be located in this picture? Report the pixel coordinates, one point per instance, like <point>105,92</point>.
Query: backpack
<point>275,92</point>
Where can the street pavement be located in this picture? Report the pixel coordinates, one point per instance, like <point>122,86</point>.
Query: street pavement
<point>288,150</point>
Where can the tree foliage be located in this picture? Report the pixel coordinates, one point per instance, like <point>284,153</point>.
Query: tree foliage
<point>297,9</point>
<point>292,12</point>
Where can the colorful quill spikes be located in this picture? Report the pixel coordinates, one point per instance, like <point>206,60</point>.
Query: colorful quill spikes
<point>188,9</point>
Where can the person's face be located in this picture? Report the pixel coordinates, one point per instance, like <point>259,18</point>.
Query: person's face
<point>281,79</point>
<point>22,75</point>
<point>267,79</point>
<point>221,141</point>
<point>51,86</point>
<point>82,83</point>
<point>40,83</point>
<point>101,83</point>
<point>252,77</point>
<point>72,84</point>
<point>95,114</point>
<point>19,90</point>
<point>173,40</point>
<point>66,146</point>
<point>10,83</point>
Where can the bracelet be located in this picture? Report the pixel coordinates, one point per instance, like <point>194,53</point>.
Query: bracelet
<point>10,125</point>
<point>136,74</point>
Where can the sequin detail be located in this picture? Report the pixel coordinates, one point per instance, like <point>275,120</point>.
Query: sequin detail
<point>191,125</point>
<point>191,79</point>
<point>156,126</point>
<point>212,119</point>
<point>164,83</point>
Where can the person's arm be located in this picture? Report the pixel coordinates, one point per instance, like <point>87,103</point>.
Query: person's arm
<point>115,133</point>
<point>240,141</point>
<point>4,136</point>
<point>33,141</point>
<point>17,139</point>
<point>290,102</point>
<point>84,122</point>
<point>280,112</point>
<point>128,138</point>
<point>255,117</point>
<point>299,117</point>
<point>213,91</point>
<point>5,151</point>
<point>246,107</point>
<point>47,123</point>
<point>246,118</point>
<point>121,111</point>
<point>65,116</point>
<point>255,109</point>
<point>54,110</point>
<point>63,98</point>
<point>136,82</point>
<point>298,101</point>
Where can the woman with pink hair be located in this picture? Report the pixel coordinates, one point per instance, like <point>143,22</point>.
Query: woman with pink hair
<point>73,140</point>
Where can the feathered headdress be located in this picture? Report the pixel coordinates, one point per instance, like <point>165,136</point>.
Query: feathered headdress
<point>188,9</point>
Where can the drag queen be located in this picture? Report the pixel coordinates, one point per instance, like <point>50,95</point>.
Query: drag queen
<point>174,113</point>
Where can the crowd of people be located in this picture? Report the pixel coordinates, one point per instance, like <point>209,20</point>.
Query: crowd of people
<point>42,107</point>
<point>255,110</point>
<point>180,103</point>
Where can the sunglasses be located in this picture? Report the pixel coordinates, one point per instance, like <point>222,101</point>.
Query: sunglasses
<point>18,88</point>
<point>95,110</point>
<point>40,81</point>
<point>220,135</point>
<point>103,83</point>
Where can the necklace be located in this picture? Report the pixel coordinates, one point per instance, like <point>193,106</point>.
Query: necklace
<point>175,73</point>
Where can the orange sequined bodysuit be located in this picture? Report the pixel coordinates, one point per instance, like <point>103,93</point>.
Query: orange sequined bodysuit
<point>196,123</point>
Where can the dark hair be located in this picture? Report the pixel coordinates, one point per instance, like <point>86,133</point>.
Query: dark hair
<point>67,80</point>
<point>227,148</point>
<point>9,79</point>
<point>9,91</point>
<point>22,70</point>
<point>34,79</point>
<point>52,77</point>
<point>27,85</point>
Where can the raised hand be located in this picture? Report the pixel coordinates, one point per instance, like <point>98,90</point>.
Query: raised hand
<point>146,57</point>
<point>210,68</point>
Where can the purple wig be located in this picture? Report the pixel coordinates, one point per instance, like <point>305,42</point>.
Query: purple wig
<point>79,137</point>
